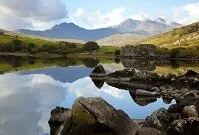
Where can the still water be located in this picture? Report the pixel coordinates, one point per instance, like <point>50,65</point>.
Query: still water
<point>28,96</point>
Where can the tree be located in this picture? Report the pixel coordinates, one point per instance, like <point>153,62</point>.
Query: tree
<point>18,44</point>
<point>175,52</point>
<point>31,46</point>
<point>91,46</point>
<point>117,52</point>
<point>1,33</point>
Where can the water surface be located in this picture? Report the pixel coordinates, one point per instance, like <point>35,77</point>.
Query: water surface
<point>27,96</point>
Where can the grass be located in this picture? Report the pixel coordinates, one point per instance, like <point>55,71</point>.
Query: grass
<point>107,49</point>
<point>189,40</point>
<point>26,40</point>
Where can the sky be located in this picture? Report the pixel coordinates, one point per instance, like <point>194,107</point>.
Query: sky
<point>92,14</point>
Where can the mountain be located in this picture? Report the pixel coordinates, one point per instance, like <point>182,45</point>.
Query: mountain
<point>185,37</point>
<point>160,20</point>
<point>120,39</point>
<point>72,31</point>
<point>4,31</point>
<point>172,24</point>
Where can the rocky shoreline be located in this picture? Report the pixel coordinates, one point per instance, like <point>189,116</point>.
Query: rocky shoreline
<point>94,116</point>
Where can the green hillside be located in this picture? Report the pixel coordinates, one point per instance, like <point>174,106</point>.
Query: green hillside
<point>185,37</point>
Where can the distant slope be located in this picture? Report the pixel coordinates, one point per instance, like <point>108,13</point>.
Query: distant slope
<point>33,38</point>
<point>186,36</point>
<point>73,31</point>
<point>4,31</point>
<point>120,39</point>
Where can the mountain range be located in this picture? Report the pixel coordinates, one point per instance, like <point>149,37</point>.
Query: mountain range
<point>135,27</point>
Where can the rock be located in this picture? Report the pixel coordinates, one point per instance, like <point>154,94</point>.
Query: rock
<point>98,71</point>
<point>58,116</point>
<point>123,73</point>
<point>167,100</point>
<point>190,111</point>
<point>191,73</point>
<point>144,93</point>
<point>95,114</point>
<point>174,109</point>
<point>192,94</point>
<point>159,119</point>
<point>184,127</point>
<point>196,104</point>
<point>148,131</point>
<point>142,100</point>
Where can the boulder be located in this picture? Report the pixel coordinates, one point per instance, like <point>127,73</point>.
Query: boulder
<point>96,115</point>
<point>59,115</point>
<point>191,73</point>
<point>190,111</point>
<point>184,127</point>
<point>159,119</point>
<point>98,71</point>
<point>148,131</point>
<point>142,100</point>
<point>144,93</point>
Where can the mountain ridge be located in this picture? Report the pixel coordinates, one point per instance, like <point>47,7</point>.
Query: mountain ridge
<point>73,31</point>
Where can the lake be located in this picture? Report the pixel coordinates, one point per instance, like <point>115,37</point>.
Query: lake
<point>30,88</point>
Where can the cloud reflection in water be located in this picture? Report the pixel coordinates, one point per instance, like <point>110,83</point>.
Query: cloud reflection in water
<point>27,100</point>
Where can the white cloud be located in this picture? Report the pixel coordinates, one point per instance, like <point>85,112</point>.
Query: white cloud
<point>31,13</point>
<point>142,15</point>
<point>186,14</point>
<point>97,19</point>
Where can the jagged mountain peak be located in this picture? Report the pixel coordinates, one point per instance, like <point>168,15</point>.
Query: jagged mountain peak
<point>160,20</point>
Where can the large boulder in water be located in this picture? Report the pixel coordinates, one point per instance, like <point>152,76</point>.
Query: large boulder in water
<point>159,119</point>
<point>184,127</point>
<point>94,115</point>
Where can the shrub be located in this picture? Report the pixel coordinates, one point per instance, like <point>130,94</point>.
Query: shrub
<point>117,52</point>
<point>175,52</point>
<point>91,46</point>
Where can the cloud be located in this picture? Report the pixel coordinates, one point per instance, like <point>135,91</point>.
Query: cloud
<point>186,14</point>
<point>32,13</point>
<point>142,15</point>
<point>97,19</point>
